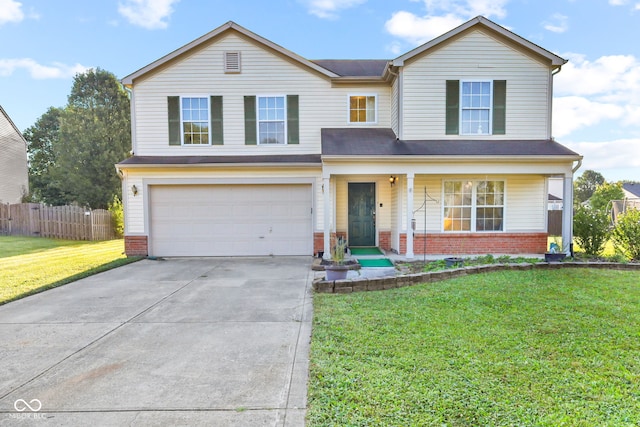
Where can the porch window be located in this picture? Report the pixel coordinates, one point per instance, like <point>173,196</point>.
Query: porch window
<point>473,205</point>
<point>362,108</point>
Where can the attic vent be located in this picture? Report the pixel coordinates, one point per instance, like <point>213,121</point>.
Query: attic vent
<point>232,62</point>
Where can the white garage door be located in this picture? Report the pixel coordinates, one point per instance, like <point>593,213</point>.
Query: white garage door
<point>231,220</point>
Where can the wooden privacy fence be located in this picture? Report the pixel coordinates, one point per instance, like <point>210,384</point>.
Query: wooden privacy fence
<point>60,222</point>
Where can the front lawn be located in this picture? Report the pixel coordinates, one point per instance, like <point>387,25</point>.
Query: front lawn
<point>32,264</point>
<point>539,347</point>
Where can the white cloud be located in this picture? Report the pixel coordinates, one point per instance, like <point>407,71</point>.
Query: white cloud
<point>617,154</point>
<point>328,9</point>
<point>589,92</point>
<point>38,71</point>
<point>418,30</point>
<point>558,23</point>
<point>441,16</point>
<point>10,11</point>
<point>574,112</point>
<point>149,14</point>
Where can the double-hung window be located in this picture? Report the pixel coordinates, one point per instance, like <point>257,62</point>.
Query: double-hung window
<point>362,108</point>
<point>195,120</point>
<point>475,105</point>
<point>473,206</point>
<point>271,120</point>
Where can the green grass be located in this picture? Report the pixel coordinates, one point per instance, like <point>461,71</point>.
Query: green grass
<point>31,264</point>
<point>513,348</point>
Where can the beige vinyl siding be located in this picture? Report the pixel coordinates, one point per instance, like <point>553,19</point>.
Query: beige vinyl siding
<point>433,210</point>
<point>263,73</point>
<point>526,203</point>
<point>394,107</point>
<point>476,56</point>
<point>137,205</point>
<point>14,179</point>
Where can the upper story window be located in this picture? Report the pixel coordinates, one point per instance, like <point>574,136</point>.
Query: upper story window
<point>362,108</point>
<point>272,119</point>
<point>195,120</point>
<point>476,107</point>
<point>473,206</point>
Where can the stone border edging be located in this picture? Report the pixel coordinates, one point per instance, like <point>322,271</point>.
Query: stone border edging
<point>381,283</point>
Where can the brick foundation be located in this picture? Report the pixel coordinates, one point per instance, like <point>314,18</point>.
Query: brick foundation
<point>136,246</point>
<point>384,240</point>
<point>478,243</point>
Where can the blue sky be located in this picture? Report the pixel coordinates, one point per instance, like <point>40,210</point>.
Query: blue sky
<point>597,94</point>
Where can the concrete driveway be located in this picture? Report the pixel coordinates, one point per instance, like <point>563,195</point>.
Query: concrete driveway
<point>217,342</point>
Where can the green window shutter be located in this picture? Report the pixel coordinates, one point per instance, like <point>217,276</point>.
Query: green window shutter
<point>217,134</point>
<point>452,121</point>
<point>293,124</point>
<point>499,107</point>
<point>173,107</point>
<point>250,133</point>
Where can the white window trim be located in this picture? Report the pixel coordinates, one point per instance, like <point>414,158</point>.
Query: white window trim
<point>474,206</point>
<point>208,98</point>
<point>258,117</point>
<point>460,126</point>
<point>375,112</point>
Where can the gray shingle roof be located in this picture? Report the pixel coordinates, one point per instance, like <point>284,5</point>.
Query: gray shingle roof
<point>201,160</point>
<point>354,67</point>
<point>632,188</point>
<point>383,142</point>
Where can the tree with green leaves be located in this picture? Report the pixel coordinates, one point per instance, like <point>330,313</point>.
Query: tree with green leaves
<point>605,193</point>
<point>92,133</point>
<point>586,184</point>
<point>41,139</point>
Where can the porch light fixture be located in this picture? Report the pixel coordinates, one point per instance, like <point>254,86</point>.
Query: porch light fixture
<point>393,180</point>
<point>134,190</point>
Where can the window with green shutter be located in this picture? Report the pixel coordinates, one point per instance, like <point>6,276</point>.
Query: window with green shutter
<point>195,120</point>
<point>476,107</point>
<point>272,119</point>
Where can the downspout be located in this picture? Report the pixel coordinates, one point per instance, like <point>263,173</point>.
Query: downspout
<point>550,101</point>
<point>399,99</point>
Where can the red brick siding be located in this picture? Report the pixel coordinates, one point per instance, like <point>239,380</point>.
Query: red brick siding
<point>478,243</point>
<point>136,246</point>
<point>384,240</point>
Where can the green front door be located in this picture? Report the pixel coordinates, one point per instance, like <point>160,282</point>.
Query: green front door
<point>362,214</point>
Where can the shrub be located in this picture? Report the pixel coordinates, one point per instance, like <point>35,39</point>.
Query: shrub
<point>626,234</point>
<point>591,229</point>
<point>117,216</point>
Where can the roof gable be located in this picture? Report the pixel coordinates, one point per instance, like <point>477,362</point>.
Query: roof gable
<point>228,27</point>
<point>8,128</point>
<point>633,188</point>
<point>482,22</point>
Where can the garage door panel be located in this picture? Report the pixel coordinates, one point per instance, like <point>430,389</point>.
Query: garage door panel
<point>213,220</point>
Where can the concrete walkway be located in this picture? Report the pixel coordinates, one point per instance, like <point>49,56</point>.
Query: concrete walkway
<point>217,342</point>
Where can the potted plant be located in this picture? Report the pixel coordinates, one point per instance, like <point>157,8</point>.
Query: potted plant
<point>337,270</point>
<point>554,254</point>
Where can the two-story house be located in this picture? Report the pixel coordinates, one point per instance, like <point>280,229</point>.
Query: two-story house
<point>242,147</point>
<point>14,169</point>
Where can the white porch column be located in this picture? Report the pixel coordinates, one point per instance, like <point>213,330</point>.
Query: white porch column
<point>567,213</point>
<point>410,177</point>
<point>326,192</point>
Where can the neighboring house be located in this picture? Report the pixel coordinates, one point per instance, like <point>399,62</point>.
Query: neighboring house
<point>555,202</point>
<point>14,170</point>
<point>631,191</point>
<point>242,147</point>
